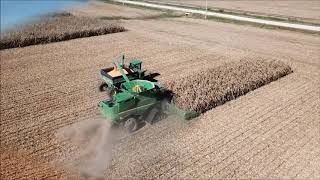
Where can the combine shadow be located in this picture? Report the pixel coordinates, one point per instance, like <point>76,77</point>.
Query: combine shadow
<point>160,117</point>
<point>151,77</point>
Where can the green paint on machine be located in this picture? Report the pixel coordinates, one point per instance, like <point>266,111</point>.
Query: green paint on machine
<point>133,99</point>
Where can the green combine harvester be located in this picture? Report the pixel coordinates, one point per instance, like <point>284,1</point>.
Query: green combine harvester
<point>133,99</point>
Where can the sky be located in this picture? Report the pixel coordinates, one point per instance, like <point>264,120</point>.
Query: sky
<point>14,12</point>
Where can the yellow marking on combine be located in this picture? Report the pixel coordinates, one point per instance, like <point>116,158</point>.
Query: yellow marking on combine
<point>137,89</point>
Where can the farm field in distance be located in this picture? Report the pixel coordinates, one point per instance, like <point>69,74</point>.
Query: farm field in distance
<point>304,9</point>
<point>58,27</point>
<point>100,9</point>
<point>271,132</point>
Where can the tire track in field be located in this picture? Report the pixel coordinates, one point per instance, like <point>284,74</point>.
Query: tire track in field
<point>263,171</point>
<point>306,155</point>
<point>56,98</point>
<point>261,150</point>
<point>255,142</point>
<point>296,119</point>
<point>31,133</point>
<point>237,145</point>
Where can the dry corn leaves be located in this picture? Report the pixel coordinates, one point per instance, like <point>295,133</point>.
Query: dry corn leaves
<point>57,28</point>
<point>207,89</point>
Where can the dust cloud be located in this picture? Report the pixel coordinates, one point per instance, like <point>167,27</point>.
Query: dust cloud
<point>88,147</point>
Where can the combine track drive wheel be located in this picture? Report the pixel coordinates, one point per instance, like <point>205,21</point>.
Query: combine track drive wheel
<point>131,124</point>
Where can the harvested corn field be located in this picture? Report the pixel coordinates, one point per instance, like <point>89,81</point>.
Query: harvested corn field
<point>202,91</point>
<point>57,28</point>
<point>269,133</point>
<point>23,166</point>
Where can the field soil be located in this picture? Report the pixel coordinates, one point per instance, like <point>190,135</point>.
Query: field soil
<point>303,9</point>
<point>271,132</point>
<point>25,166</point>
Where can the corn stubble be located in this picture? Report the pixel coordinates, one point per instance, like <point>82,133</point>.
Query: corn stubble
<point>207,89</point>
<point>57,28</point>
<point>25,166</point>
